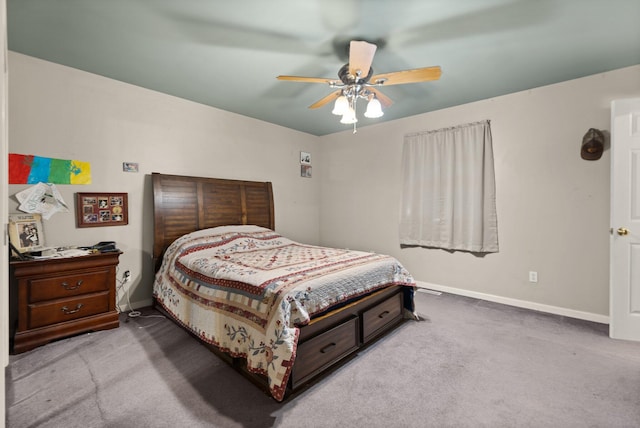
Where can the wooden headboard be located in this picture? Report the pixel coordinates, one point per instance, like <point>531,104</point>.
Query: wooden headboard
<point>183,204</point>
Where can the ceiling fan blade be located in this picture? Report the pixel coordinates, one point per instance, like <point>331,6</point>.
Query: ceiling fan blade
<point>408,76</point>
<point>360,57</point>
<point>332,96</point>
<point>384,100</point>
<point>306,79</point>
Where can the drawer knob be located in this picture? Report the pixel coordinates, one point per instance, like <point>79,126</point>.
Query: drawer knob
<point>384,314</point>
<point>67,311</point>
<point>71,287</point>
<point>328,348</point>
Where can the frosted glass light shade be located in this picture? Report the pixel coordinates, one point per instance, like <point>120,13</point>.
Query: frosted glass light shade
<point>374,109</point>
<point>349,117</point>
<point>341,106</point>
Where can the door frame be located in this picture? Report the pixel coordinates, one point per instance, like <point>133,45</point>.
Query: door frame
<point>624,285</point>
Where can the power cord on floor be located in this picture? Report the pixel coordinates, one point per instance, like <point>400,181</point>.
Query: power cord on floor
<point>126,277</point>
<point>132,313</point>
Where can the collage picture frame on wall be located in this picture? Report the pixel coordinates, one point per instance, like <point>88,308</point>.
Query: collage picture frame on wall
<point>102,209</point>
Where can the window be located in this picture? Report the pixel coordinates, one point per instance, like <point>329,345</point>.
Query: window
<point>448,198</point>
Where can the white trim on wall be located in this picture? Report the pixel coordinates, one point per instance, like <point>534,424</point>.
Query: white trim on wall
<point>4,194</point>
<point>138,304</point>
<point>556,310</point>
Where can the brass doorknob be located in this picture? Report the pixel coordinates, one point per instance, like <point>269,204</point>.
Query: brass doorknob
<point>622,231</point>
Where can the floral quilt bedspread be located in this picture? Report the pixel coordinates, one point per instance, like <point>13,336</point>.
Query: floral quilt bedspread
<point>246,289</point>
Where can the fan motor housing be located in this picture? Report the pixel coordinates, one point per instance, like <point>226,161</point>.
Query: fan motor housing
<point>349,79</point>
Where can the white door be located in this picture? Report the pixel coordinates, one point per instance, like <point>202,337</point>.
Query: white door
<point>624,304</point>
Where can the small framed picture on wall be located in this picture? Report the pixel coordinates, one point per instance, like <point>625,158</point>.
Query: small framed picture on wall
<point>101,209</point>
<point>305,171</point>
<point>305,164</point>
<point>305,158</point>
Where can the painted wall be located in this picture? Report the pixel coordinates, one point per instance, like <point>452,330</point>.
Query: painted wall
<point>64,113</point>
<point>553,206</point>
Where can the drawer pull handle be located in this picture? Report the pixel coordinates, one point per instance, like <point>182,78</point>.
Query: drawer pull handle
<point>74,287</point>
<point>384,314</point>
<point>328,348</point>
<point>73,311</point>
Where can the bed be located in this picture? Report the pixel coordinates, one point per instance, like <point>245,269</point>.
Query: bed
<point>280,311</point>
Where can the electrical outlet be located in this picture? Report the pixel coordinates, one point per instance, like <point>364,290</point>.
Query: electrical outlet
<point>126,276</point>
<point>533,276</point>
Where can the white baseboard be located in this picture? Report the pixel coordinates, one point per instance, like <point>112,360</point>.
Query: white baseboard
<point>142,303</point>
<point>572,313</point>
<point>124,307</point>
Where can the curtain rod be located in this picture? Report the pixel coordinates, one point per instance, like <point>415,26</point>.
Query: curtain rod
<point>481,122</point>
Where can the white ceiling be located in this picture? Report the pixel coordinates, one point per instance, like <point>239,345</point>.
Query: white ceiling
<point>227,53</point>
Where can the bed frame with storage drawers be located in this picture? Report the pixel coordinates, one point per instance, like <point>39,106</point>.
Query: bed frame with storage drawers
<point>184,204</point>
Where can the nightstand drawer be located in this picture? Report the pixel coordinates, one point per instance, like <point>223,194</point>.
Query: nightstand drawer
<point>44,314</point>
<point>60,297</point>
<point>48,288</point>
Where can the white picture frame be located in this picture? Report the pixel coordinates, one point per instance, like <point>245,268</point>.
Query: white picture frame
<point>305,158</point>
<point>25,232</point>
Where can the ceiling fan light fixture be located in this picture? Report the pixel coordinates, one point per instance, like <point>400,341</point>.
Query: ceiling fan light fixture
<point>357,81</point>
<point>341,107</point>
<point>374,109</point>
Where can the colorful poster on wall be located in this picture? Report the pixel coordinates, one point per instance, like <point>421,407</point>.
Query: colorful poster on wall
<point>30,169</point>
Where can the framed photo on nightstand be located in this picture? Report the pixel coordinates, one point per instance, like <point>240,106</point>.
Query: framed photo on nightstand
<point>25,232</point>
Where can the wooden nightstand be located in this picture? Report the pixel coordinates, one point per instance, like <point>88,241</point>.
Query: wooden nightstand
<point>61,297</point>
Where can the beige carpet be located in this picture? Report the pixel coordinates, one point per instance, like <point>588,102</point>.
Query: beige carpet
<point>468,364</point>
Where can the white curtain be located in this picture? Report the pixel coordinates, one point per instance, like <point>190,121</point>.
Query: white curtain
<point>448,198</point>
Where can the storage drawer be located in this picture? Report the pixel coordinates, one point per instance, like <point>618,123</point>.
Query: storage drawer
<point>325,349</point>
<point>381,317</point>
<point>44,314</point>
<point>54,287</point>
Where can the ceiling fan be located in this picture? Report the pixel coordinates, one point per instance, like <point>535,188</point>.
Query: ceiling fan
<point>358,81</point>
